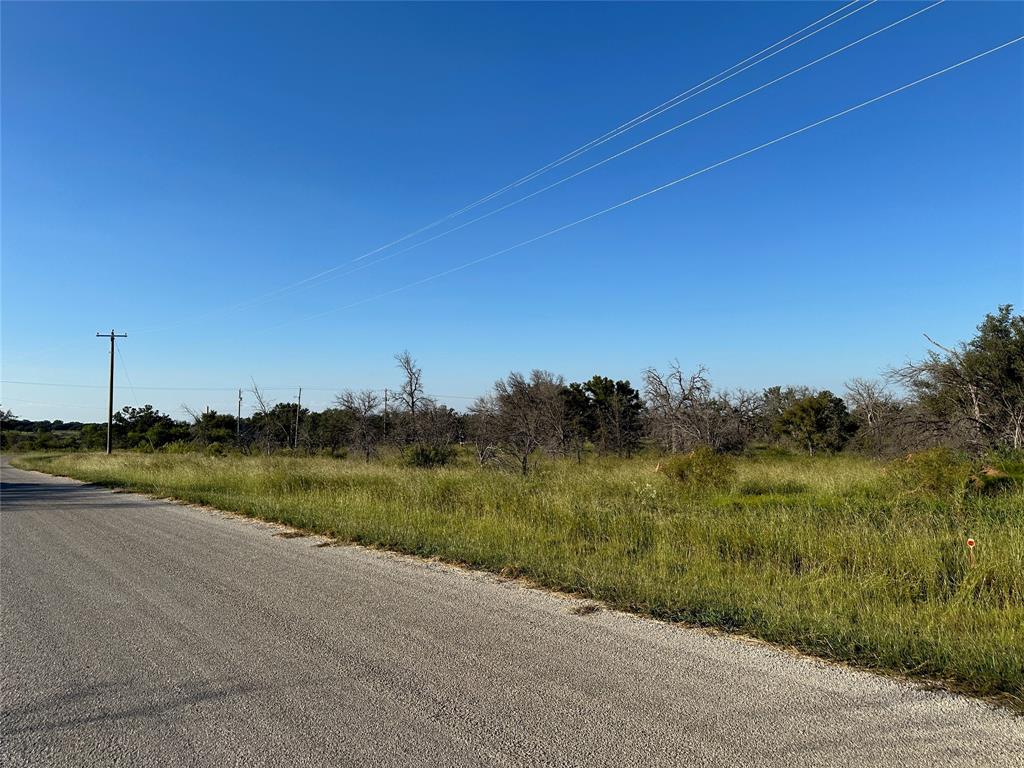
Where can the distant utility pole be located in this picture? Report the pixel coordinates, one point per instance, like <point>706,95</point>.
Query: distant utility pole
<point>385,414</point>
<point>298,410</point>
<point>238,421</point>
<point>110,395</point>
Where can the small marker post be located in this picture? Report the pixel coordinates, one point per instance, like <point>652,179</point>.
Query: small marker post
<point>970,552</point>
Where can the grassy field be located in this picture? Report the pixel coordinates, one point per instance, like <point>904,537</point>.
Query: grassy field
<point>821,554</point>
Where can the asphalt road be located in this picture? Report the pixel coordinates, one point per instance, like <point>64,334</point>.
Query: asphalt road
<point>140,633</point>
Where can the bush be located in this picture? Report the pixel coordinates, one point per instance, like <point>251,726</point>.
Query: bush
<point>1000,472</point>
<point>935,473</point>
<point>426,456</point>
<point>990,481</point>
<point>701,470</point>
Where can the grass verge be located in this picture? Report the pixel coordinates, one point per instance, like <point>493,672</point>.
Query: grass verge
<point>817,554</point>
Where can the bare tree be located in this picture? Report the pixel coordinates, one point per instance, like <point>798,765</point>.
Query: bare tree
<point>529,414</point>
<point>439,426</point>
<point>410,394</point>
<point>269,428</point>
<point>485,429</point>
<point>684,411</point>
<point>881,416</point>
<point>363,408</point>
<point>672,399</point>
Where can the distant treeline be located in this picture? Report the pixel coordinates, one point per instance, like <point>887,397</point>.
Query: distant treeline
<point>969,397</point>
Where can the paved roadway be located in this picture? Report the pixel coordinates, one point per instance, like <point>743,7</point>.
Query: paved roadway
<point>145,633</point>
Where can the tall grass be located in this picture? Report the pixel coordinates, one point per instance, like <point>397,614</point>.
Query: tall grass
<point>819,554</point>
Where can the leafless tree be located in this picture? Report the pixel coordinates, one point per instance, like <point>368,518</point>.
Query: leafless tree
<point>269,429</point>
<point>529,413</point>
<point>410,394</point>
<point>438,425</point>
<point>485,429</point>
<point>366,429</point>
<point>684,411</point>
<point>881,416</point>
<point>672,399</point>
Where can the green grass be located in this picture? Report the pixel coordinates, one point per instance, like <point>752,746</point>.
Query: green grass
<point>820,554</point>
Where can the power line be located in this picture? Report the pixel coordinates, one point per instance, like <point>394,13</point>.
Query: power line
<point>634,147</point>
<point>215,389</point>
<point>675,101</point>
<point>100,386</point>
<point>124,367</point>
<point>653,191</point>
<point>52,405</point>
<point>671,103</point>
<point>679,99</point>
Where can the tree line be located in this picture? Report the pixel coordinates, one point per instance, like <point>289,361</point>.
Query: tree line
<point>969,396</point>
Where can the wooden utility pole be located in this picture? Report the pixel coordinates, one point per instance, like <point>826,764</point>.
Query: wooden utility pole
<point>238,421</point>
<point>110,394</point>
<point>385,414</point>
<point>298,410</point>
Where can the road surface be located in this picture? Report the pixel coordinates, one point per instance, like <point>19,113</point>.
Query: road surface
<point>146,633</point>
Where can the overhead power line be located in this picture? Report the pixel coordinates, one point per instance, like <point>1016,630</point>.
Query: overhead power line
<point>680,98</point>
<point>655,190</point>
<point>629,149</point>
<point>217,389</point>
<point>696,90</point>
<point>51,405</point>
<point>128,378</point>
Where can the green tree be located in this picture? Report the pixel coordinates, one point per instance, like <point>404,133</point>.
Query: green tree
<point>974,392</point>
<point>211,427</point>
<point>617,410</point>
<point>578,418</point>
<point>145,426</point>
<point>817,422</point>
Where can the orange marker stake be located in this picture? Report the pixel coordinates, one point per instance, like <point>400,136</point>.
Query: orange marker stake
<point>970,552</point>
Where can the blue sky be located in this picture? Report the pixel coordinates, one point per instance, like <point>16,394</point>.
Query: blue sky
<point>162,163</point>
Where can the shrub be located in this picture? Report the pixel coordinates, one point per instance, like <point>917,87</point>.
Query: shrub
<point>701,470</point>
<point>214,449</point>
<point>1010,463</point>
<point>1001,472</point>
<point>426,456</point>
<point>990,481</point>
<point>935,473</point>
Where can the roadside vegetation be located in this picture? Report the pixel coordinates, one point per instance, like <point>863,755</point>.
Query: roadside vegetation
<point>883,528</point>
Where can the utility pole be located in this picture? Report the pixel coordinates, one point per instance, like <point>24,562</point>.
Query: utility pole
<point>298,410</point>
<point>238,421</point>
<point>110,394</point>
<point>385,414</point>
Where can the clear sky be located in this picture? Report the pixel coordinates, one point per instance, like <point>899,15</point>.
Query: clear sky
<point>164,163</point>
